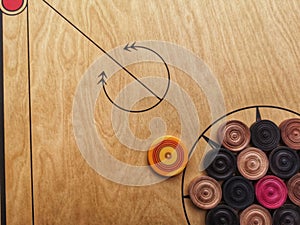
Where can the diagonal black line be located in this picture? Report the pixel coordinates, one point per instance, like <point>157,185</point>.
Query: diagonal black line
<point>30,116</point>
<point>100,48</point>
<point>2,133</point>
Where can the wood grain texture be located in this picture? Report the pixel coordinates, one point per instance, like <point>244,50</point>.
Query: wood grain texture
<point>17,133</point>
<point>251,47</point>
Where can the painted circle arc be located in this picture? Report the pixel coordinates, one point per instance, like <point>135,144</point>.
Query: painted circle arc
<point>90,142</point>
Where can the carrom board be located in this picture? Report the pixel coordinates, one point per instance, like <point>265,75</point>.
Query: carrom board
<point>88,85</point>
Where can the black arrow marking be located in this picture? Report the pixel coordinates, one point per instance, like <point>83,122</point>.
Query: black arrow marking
<point>258,116</point>
<point>212,143</point>
<point>127,47</point>
<point>135,47</point>
<point>105,52</point>
<point>102,78</point>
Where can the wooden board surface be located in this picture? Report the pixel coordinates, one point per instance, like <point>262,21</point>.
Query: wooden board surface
<point>251,47</point>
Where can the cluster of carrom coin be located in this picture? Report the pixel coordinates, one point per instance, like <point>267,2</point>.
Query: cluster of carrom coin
<point>253,177</point>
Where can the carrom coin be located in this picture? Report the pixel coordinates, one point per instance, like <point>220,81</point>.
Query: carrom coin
<point>167,156</point>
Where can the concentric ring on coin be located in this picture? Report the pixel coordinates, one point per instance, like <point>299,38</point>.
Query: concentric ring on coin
<point>234,135</point>
<point>205,192</point>
<point>167,156</point>
<point>290,132</point>
<point>253,163</point>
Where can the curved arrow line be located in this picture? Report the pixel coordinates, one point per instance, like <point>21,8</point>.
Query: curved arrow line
<point>127,110</point>
<point>160,99</point>
<point>100,48</point>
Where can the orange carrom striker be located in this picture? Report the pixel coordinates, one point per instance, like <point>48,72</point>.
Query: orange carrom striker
<point>234,135</point>
<point>290,132</point>
<point>168,156</point>
<point>205,192</point>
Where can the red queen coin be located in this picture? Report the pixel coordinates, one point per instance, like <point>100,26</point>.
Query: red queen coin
<point>271,192</point>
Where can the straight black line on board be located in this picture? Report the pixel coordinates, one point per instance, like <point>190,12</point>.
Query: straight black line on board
<point>100,48</point>
<point>2,134</point>
<point>30,115</point>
